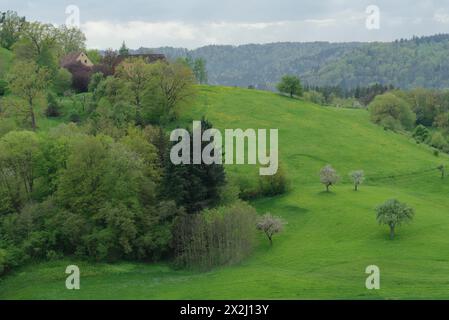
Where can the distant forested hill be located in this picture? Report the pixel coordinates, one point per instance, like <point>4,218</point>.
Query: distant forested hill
<point>417,62</point>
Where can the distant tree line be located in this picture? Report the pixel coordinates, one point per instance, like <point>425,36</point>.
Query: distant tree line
<point>341,97</point>
<point>406,63</point>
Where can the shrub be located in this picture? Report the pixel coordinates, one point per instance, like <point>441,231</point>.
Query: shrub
<point>392,112</point>
<point>439,141</point>
<point>421,134</point>
<point>273,185</point>
<point>53,107</point>
<point>62,82</point>
<point>315,97</point>
<point>74,117</point>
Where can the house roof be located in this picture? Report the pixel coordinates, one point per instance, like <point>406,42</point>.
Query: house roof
<point>70,59</point>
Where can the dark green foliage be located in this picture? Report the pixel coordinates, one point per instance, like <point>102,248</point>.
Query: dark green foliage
<point>237,66</point>
<point>53,107</point>
<point>3,87</point>
<point>274,185</point>
<point>124,51</point>
<point>199,70</point>
<point>421,133</point>
<point>418,62</point>
<point>364,95</point>
<point>196,186</point>
<point>74,117</point>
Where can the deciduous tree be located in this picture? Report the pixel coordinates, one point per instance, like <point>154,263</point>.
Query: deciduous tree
<point>270,225</point>
<point>290,85</point>
<point>329,176</point>
<point>358,177</point>
<point>11,26</point>
<point>27,80</point>
<point>394,213</point>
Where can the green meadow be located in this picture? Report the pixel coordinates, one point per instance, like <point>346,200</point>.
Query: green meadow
<point>330,238</point>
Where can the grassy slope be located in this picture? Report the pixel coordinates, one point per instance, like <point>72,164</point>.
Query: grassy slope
<point>330,238</point>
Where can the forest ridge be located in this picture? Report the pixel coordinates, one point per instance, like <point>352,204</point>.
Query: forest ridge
<point>404,63</point>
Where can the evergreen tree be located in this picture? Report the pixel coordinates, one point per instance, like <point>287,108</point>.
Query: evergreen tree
<point>124,51</point>
<point>196,186</point>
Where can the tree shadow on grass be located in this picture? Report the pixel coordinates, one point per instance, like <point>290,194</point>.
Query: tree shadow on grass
<point>327,194</point>
<point>293,209</point>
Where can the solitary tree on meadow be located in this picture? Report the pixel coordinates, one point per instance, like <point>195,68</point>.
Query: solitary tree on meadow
<point>357,177</point>
<point>270,225</point>
<point>329,176</point>
<point>394,213</point>
<point>290,85</point>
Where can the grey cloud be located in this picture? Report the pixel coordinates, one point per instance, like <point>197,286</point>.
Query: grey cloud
<point>189,23</point>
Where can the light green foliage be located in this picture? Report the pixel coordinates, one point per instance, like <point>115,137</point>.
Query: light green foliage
<point>315,97</point>
<point>5,61</point>
<point>70,39</point>
<point>439,141</point>
<point>442,121</point>
<point>392,112</point>
<point>173,86</point>
<point>28,81</point>
<point>94,56</point>
<point>136,141</point>
<point>290,85</point>
<point>98,171</point>
<point>137,74</point>
<point>62,81</point>
<point>393,214</point>
<point>20,158</point>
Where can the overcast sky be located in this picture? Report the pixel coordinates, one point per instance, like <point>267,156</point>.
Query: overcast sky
<point>194,23</point>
